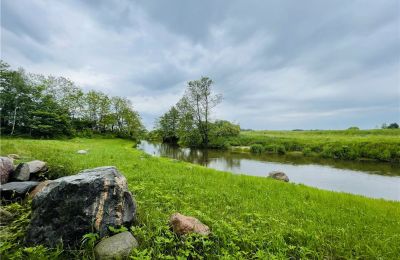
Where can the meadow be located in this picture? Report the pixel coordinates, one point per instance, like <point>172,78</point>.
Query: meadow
<point>379,144</point>
<point>250,217</point>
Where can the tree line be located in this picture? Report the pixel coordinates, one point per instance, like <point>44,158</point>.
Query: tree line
<point>46,106</point>
<point>189,122</point>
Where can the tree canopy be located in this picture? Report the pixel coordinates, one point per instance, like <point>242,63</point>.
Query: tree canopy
<point>47,106</point>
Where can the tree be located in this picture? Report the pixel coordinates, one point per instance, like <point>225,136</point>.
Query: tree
<point>168,125</point>
<point>393,126</point>
<point>200,98</point>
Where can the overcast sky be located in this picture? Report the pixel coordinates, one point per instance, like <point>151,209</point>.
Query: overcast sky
<point>279,64</point>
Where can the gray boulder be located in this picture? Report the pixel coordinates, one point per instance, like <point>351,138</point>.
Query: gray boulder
<point>21,173</point>
<point>279,176</point>
<point>118,246</point>
<point>6,169</point>
<point>13,190</point>
<point>67,208</point>
<point>37,166</point>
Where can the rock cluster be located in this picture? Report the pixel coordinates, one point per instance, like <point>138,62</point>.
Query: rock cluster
<point>67,208</point>
<point>23,178</point>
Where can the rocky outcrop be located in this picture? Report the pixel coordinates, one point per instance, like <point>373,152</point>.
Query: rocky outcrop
<point>279,176</point>
<point>69,207</point>
<point>6,169</point>
<point>13,190</point>
<point>118,246</point>
<point>183,225</point>
<point>21,173</point>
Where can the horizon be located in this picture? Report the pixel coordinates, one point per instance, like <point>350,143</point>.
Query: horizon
<point>279,67</point>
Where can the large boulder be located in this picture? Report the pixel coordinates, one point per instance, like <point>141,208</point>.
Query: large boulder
<point>38,188</point>
<point>6,169</point>
<point>118,246</point>
<point>67,208</point>
<point>13,190</point>
<point>183,225</point>
<point>21,173</point>
<point>277,175</point>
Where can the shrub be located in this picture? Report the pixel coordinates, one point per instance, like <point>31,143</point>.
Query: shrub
<point>257,148</point>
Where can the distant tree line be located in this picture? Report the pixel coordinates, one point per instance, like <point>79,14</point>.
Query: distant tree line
<point>189,121</point>
<point>390,126</point>
<point>46,106</point>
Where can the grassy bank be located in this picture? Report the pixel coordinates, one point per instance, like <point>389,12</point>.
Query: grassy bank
<point>380,145</point>
<point>250,217</point>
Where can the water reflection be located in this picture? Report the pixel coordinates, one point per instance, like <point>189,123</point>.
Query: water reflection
<point>364,178</point>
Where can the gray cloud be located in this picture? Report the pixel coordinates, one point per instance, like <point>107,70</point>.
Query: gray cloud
<point>279,64</point>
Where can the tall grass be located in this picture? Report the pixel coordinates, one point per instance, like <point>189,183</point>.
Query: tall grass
<point>380,145</point>
<point>250,217</point>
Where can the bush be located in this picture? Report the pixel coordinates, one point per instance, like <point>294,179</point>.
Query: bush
<point>257,148</point>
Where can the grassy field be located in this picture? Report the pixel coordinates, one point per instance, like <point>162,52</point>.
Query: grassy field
<point>250,217</point>
<point>380,144</point>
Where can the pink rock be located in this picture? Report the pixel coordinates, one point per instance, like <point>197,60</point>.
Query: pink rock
<point>183,225</point>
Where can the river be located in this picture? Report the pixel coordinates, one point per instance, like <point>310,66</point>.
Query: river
<point>371,179</point>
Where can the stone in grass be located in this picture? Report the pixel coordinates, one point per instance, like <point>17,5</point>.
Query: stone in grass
<point>89,202</point>
<point>6,169</point>
<point>21,173</point>
<point>277,175</point>
<point>118,246</point>
<point>5,217</point>
<point>37,166</point>
<point>14,190</point>
<point>82,152</point>
<point>14,156</point>
<point>183,225</point>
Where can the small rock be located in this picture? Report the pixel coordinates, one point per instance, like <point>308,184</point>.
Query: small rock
<point>14,156</point>
<point>118,246</point>
<point>279,176</point>
<point>13,190</point>
<point>5,217</point>
<point>38,188</point>
<point>82,152</point>
<point>21,173</point>
<point>37,166</point>
<point>6,169</point>
<point>183,225</point>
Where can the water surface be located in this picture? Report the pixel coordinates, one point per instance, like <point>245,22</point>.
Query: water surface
<point>371,179</point>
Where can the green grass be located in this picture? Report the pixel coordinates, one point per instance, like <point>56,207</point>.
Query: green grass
<point>250,217</point>
<point>380,145</point>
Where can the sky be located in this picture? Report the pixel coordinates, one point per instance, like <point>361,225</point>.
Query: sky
<point>278,64</point>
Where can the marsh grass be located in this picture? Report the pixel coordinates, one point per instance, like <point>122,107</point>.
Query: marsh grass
<point>250,217</point>
<point>381,144</point>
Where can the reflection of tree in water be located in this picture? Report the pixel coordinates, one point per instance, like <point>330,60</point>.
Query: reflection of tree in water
<point>198,156</point>
<point>230,160</point>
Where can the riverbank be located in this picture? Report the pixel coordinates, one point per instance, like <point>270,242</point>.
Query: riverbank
<point>249,216</point>
<point>380,144</point>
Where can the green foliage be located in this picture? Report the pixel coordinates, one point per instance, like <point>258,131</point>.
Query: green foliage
<point>49,107</point>
<point>250,217</point>
<point>257,148</point>
<point>188,123</point>
<point>381,145</point>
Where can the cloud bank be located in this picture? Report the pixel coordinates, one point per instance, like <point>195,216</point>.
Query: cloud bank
<point>279,64</point>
